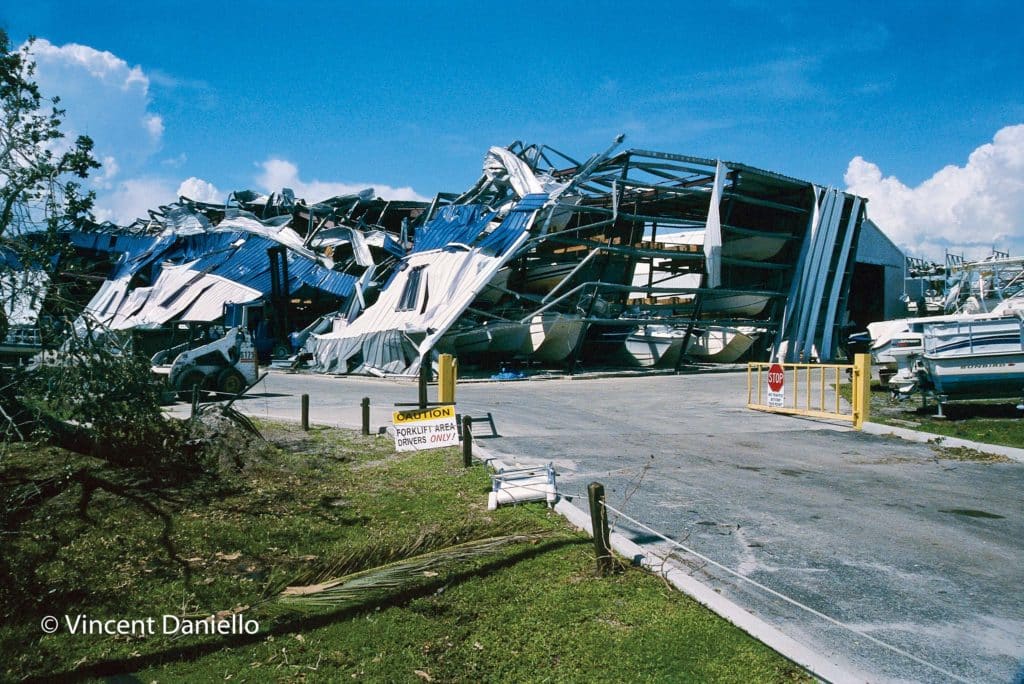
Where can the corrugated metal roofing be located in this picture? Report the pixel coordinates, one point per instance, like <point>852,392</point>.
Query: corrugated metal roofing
<point>427,294</point>
<point>236,255</point>
<point>105,242</point>
<point>465,224</point>
<point>460,223</point>
<point>248,264</point>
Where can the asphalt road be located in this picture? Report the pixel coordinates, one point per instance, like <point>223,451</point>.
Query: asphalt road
<point>923,553</point>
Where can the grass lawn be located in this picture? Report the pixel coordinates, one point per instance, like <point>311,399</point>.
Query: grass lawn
<point>316,505</point>
<point>989,422</point>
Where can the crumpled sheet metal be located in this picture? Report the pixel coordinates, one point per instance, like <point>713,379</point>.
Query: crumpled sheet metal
<point>196,273</point>
<point>383,337</point>
<point>179,293</point>
<point>502,165</point>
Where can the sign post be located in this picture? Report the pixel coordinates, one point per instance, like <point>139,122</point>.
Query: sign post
<point>428,428</point>
<point>776,386</point>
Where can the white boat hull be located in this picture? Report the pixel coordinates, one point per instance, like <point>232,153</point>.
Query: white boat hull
<point>553,337</point>
<point>721,344</point>
<point>662,345</point>
<point>976,358</point>
<point>655,347</point>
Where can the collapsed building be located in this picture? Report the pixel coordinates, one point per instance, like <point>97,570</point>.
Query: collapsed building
<point>195,263</point>
<point>635,258</point>
<point>629,258</point>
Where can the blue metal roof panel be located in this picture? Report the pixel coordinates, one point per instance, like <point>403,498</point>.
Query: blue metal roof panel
<point>237,256</point>
<point>460,223</point>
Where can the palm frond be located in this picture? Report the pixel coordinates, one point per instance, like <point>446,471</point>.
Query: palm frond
<point>396,575</point>
<point>235,416</point>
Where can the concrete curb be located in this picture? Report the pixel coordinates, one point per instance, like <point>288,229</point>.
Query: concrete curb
<point>942,440</point>
<point>807,658</point>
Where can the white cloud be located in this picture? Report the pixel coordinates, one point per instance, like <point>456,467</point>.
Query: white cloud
<point>966,209</point>
<point>133,199</point>
<point>154,126</point>
<point>175,162</point>
<point>104,98</point>
<point>106,173</point>
<point>103,66</point>
<point>280,173</point>
<point>200,190</point>
<point>108,100</point>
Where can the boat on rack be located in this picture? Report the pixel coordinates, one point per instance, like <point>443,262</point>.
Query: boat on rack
<point>723,343</point>
<point>657,345</point>
<point>549,337</point>
<point>554,336</point>
<point>662,344</point>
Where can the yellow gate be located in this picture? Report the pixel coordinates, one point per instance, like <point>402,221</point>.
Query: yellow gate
<point>810,389</point>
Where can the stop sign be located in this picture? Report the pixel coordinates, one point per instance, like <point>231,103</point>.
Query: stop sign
<point>776,377</point>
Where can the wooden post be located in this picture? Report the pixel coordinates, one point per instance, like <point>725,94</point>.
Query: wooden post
<point>467,441</point>
<point>599,525</point>
<point>366,415</point>
<point>305,412</point>
<point>424,380</point>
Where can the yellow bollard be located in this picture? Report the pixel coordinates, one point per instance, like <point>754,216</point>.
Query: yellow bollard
<point>861,389</point>
<point>446,375</point>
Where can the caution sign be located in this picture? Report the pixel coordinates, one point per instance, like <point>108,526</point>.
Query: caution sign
<point>429,428</point>
<point>776,386</point>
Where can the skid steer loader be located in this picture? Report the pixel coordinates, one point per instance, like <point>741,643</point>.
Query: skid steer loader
<point>226,366</point>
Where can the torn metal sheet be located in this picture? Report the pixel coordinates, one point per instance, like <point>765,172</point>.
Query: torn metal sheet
<point>191,275</point>
<point>503,166</point>
<point>428,292</point>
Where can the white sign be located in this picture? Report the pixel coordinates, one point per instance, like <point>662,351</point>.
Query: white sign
<point>776,386</point>
<point>429,428</point>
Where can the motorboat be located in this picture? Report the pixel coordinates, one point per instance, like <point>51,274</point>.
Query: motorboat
<point>971,356</point>
<point>548,337</point>
<point>891,341</point>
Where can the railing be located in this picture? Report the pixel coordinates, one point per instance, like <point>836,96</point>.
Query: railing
<point>810,389</point>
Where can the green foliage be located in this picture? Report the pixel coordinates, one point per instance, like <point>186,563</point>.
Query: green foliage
<point>100,399</point>
<point>41,175</point>
<point>34,166</point>
<point>90,396</point>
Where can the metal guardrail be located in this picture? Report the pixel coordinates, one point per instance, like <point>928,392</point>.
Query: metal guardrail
<point>810,389</point>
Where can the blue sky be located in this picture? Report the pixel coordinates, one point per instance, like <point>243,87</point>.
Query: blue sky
<point>915,105</point>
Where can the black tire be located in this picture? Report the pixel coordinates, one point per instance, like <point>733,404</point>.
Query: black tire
<point>188,382</point>
<point>280,351</point>
<point>230,381</point>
